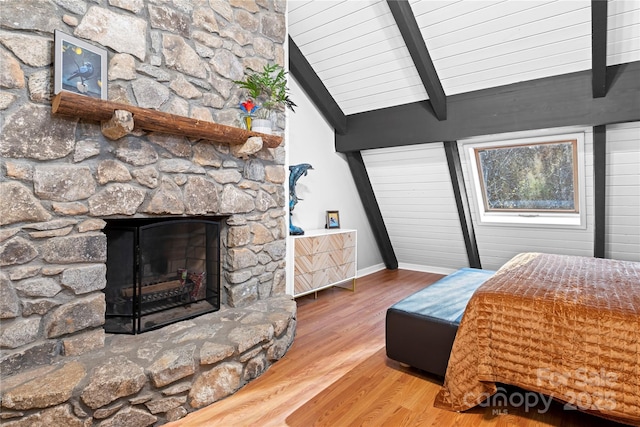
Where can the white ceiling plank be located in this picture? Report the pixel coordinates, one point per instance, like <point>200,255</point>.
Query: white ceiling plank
<point>624,17</point>
<point>416,178</point>
<point>369,85</point>
<point>631,31</point>
<point>336,19</point>
<point>399,209</point>
<point>402,77</point>
<point>383,100</point>
<point>444,17</point>
<point>361,42</point>
<point>399,69</point>
<point>373,65</point>
<point>421,7</point>
<point>620,6</point>
<point>466,40</point>
<point>404,190</point>
<point>294,5</point>
<point>563,59</point>
<point>623,34</point>
<point>403,153</point>
<point>384,166</point>
<point>385,45</point>
<point>305,10</point>
<point>477,64</point>
<point>510,51</point>
<point>361,89</point>
<point>486,21</point>
<point>623,52</point>
<point>524,75</point>
<point>435,222</point>
<point>339,24</point>
<point>382,97</point>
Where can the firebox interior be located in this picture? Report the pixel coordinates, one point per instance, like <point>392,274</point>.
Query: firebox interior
<point>160,271</point>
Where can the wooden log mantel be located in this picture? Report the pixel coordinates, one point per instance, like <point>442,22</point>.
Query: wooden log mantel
<point>70,104</point>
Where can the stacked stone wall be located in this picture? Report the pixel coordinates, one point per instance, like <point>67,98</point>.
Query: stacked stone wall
<point>61,178</point>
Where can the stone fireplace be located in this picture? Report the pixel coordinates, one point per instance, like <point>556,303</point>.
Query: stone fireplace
<point>64,185</point>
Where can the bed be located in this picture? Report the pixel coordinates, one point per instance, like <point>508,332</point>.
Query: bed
<point>564,326</point>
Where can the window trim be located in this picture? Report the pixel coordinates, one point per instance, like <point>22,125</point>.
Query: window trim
<point>528,218</point>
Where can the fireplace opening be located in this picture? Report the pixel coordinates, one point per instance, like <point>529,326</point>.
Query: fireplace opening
<point>160,271</point>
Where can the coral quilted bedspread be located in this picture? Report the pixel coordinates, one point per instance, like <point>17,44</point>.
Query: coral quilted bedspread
<point>564,326</point>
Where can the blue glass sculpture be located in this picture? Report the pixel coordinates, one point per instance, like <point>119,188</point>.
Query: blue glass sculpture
<point>295,172</point>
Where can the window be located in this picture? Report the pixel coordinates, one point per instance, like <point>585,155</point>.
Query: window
<point>535,181</point>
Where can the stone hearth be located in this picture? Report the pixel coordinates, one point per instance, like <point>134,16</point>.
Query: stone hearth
<point>155,377</point>
<point>61,178</point>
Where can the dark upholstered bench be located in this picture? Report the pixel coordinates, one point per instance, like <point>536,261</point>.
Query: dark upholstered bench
<point>421,328</point>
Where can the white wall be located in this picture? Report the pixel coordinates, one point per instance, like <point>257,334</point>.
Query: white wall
<point>622,239</point>
<point>330,185</point>
<point>416,198</point>
<point>414,191</point>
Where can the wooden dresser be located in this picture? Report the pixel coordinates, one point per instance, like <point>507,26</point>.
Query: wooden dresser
<point>323,258</point>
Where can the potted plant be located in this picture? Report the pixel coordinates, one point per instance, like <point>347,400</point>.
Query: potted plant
<point>268,93</point>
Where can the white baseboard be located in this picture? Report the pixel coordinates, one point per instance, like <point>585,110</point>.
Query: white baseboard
<point>405,266</point>
<point>426,268</point>
<point>370,270</point>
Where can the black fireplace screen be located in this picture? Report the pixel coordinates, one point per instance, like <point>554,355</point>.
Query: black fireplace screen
<point>160,272</point>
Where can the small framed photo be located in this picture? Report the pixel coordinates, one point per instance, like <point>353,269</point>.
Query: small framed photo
<point>80,67</point>
<point>333,219</point>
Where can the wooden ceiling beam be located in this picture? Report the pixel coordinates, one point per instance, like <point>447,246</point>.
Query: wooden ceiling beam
<point>372,209</point>
<point>313,86</point>
<point>462,203</point>
<point>564,100</point>
<point>599,48</point>
<point>599,190</point>
<point>406,22</point>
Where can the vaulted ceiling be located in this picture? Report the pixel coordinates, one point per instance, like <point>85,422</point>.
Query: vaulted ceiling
<point>388,73</point>
<point>359,53</point>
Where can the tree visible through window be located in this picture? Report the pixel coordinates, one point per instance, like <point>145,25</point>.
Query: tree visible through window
<point>531,181</point>
<point>537,177</point>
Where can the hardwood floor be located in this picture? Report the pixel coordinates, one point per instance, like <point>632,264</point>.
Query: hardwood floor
<point>379,392</point>
<point>336,373</point>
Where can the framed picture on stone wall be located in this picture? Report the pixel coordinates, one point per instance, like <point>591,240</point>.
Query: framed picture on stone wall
<point>80,67</point>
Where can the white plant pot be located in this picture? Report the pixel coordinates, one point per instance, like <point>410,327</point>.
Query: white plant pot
<point>261,125</point>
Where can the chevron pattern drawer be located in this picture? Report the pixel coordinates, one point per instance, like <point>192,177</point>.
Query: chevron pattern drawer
<point>323,258</point>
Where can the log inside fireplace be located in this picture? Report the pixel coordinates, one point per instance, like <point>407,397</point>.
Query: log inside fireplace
<point>160,271</point>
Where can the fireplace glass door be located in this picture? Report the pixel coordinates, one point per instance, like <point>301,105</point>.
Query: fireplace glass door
<point>160,272</point>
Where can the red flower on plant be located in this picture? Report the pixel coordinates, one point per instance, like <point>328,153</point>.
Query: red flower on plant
<point>248,106</point>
